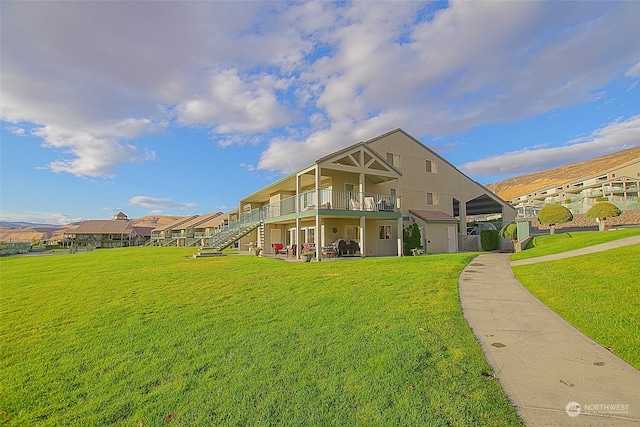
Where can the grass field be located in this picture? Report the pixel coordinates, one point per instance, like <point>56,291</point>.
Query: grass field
<point>563,242</point>
<point>597,293</point>
<point>147,337</point>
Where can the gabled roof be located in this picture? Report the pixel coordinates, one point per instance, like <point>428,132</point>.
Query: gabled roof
<point>338,160</point>
<point>143,231</point>
<point>197,221</point>
<point>176,223</point>
<point>402,131</point>
<point>373,162</point>
<point>432,216</point>
<point>213,221</point>
<point>108,226</point>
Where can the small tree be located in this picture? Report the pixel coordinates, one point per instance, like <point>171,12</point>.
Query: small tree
<point>601,211</point>
<point>554,214</point>
<point>510,231</point>
<point>412,238</point>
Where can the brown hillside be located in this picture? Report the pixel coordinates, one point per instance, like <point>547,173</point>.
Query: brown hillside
<point>52,233</point>
<point>516,186</point>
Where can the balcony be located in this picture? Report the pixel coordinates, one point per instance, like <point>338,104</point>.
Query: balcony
<point>331,200</point>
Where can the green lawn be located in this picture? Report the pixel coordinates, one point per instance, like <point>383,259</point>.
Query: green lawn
<point>597,293</point>
<point>145,336</point>
<point>563,242</point>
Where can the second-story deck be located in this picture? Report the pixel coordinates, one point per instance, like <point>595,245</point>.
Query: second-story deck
<point>332,202</point>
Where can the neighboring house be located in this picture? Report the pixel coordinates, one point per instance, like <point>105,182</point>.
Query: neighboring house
<point>192,232</point>
<point>367,193</point>
<point>165,235</point>
<point>144,234</point>
<point>212,225</point>
<point>618,185</point>
<point>120,216</point>
<point>103,234</point>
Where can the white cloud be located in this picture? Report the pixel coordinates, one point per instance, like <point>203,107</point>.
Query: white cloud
<point>232,104</point>
<point>96,152</point>
<point>249,167</point>
<point>110,72</point>
<point>608,139</point>
<point>634,71</point>
<point>158,204</point>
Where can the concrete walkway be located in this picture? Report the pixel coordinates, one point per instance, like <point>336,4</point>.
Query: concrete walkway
<point>552,373</point>
<point>627,241</point>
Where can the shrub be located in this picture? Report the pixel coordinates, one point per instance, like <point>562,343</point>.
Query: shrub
<point>489,239</point>
<point>601,211</point>
<point>554,214</point>
<point>509,231</point>
<point>412,238</point>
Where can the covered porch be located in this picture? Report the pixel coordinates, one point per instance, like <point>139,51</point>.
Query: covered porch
<point>346,196</point>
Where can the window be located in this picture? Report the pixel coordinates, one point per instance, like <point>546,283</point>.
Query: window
<point>384,232</point>
<point>432,199</point>
<point>432,167</point>
<point>393,159</point>
<point>352,232</point>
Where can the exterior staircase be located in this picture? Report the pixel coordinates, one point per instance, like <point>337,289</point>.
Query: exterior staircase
<point>229,236</point>
<point>235,230</point>
<point>170,242</point>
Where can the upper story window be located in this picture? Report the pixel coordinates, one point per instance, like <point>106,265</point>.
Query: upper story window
<point>393,159</point>
<point>432,167</point>
<point>432,199</point>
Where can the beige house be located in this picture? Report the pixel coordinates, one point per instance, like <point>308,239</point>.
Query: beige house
<point>103,234</point>
<point>361,198</point>
<point>165,235</point>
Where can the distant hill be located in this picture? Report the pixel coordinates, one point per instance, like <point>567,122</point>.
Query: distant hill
<point>516,186</point>
<point>25,231</point>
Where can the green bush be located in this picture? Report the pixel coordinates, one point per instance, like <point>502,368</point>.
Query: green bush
<point>412,238</point>
<point>554,214</point>
<point>489,239</point>
<point>509,231</point>
<point>603,210</point>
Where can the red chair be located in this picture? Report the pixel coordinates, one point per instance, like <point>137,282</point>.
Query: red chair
<point>278,248</point>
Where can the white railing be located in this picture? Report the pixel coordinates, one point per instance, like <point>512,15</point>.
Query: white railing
<point>332,200</point>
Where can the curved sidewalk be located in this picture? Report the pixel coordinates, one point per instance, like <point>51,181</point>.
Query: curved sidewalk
<point>627,241</point>
<point>548,369</point>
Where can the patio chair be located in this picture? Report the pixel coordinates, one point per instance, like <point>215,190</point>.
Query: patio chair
<point>278,248</point>
<point>330,251</point>
<point>369,204</point>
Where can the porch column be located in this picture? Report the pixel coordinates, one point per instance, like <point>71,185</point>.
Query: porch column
<point>463,224</point>
<point>361,189</point>
<point>297,210</point>
<point>318,238</point>
<point>297,236</point>
<point>363,243</point>
<point>400,237</point>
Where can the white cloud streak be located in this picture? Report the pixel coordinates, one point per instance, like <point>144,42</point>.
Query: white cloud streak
<point>158,204</point>
<point>606,140</point>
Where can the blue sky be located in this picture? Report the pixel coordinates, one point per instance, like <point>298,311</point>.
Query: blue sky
<point>176,108</point>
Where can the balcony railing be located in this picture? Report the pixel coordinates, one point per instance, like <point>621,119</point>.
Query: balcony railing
<point>332,200</point>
